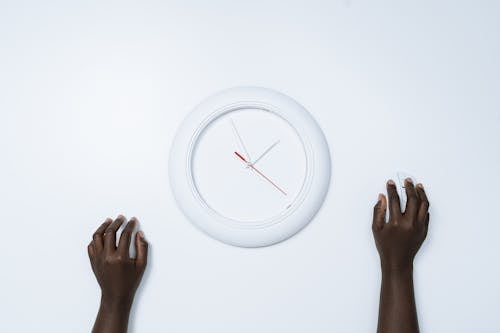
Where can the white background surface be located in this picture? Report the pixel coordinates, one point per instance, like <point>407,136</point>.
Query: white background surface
<point>91,94</point>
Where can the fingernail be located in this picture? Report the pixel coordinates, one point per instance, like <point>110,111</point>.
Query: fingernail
<point>141,234</point>
<point>391,182</point>
<point>380,197</point>
<point>409,180</point>
<point>420,185</point>
<point>120,217</point>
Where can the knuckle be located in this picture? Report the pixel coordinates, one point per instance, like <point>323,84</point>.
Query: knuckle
<point>377,209</point>
<point>113,259</point>
<point>394,197</point>
<point>412,196</point>
<point>109,260</point>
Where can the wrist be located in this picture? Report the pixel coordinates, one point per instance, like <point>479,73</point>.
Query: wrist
<point>116,303</point>
<point>396,267</point>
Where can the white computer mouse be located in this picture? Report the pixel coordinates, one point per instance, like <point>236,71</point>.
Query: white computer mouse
<point>400,184</point>
<point>399,179</point>
<point>131,249</point>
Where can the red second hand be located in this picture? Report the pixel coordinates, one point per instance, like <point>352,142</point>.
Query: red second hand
<point>260,173</point>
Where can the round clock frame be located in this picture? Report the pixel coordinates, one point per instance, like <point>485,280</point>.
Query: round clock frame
<point>260,233</point>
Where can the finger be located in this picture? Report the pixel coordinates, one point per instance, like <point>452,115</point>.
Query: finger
<point>379,213</point>
<point>426,224</point>
<point>126,236</point>
<point>412,201</point>
<point>98,235</point>
<point>424,203</point>
<point>141,247</point>
<point>110,234</point>
<point>91,251</point>
<point>394,205</point>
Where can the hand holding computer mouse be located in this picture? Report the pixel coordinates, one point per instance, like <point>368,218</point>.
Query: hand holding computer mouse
<point>117,273</point>
<point>399,240</point>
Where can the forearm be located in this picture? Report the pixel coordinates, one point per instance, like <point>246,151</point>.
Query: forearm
<point>113,316</point>
<point>397,312</point>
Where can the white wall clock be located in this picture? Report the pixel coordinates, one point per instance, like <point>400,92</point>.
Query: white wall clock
<point>250,167</point>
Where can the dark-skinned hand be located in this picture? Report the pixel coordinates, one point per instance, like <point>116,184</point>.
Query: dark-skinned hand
<point>398,241</point>
<point>117,273</point>
<point>400,238</point>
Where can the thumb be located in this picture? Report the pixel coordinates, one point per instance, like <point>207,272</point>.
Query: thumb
<point>379,213</point>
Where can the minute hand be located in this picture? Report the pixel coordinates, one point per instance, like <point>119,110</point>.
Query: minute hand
<point>265,152</point>
<point>238,138</point>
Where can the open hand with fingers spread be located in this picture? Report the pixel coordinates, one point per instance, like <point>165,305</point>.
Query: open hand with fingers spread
<point>118,275</point>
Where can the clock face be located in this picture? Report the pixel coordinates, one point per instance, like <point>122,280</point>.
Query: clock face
<point>249,167</point>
